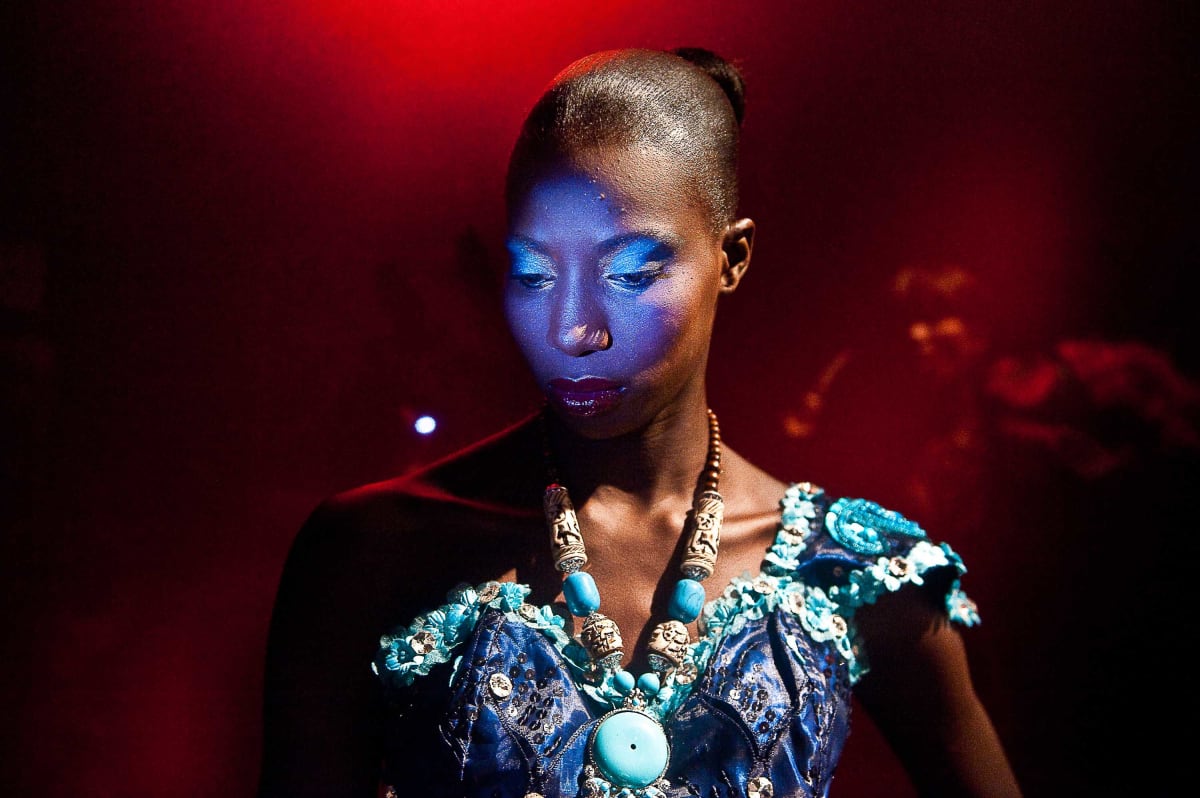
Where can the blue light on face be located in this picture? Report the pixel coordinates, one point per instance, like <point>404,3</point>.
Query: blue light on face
<point>425,425</point>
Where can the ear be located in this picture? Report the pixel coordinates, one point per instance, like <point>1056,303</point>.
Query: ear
<point>736,249</point>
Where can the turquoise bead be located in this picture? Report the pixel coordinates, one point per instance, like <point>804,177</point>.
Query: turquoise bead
<point>687,600</point>
<point>624,682</point>
<point>630,748</point>
<point>583,598</point>
<point>648,683</point>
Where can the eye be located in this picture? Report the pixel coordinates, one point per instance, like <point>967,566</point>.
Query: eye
<point>641,279</point>
<point>637,263</point>
<point>530,269</point>
<point>532,281</point>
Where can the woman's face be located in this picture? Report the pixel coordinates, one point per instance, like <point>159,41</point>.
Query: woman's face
<point>612,289</point>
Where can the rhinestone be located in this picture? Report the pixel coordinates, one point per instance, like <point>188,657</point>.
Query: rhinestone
<point>533,795</point>
<point>759,787</point>
<point>685,673</point>
<point>489,592</point>
<point>500,685</point>
<point>423,642</point>
<point>528,612</point>
<point>838,623</point>
<point>791,536</point>
<point>763,586</point>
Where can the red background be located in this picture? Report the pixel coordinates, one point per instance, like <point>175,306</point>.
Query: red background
<point>245,243</point>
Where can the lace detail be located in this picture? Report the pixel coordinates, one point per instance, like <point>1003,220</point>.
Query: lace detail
<point>826,614</point>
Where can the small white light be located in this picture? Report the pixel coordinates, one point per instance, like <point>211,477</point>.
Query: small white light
<point>425,425</point>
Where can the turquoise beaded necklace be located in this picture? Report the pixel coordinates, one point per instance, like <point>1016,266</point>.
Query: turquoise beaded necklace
<point>628,751</point>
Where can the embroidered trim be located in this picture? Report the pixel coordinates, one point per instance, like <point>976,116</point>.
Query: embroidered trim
<point>857,524</point>
<point>826,615</point>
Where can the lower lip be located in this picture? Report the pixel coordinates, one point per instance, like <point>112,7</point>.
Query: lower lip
<point>586,403</point>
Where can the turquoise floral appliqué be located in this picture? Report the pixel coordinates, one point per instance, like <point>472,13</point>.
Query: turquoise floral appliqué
<point>826,613</point>
<point>857,524</point>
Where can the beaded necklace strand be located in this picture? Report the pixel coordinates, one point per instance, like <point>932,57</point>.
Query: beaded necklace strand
<point>628,747</point>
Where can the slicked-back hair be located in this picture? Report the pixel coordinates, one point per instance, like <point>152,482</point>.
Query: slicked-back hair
<point>687,103</point>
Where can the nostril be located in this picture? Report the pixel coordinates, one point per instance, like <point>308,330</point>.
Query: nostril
<point>600,339</point>
<point>582,339</point>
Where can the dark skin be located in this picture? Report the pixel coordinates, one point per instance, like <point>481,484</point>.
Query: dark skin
<point>640,314</point>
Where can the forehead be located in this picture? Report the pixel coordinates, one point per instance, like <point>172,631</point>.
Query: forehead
<point>612,188</point>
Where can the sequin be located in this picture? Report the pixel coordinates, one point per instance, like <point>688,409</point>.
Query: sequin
<point>760,787</point>
<point>685,673</point>
<point>499,685</point>
<point>791,608</point>
<point>423,642</point>
<point>488,592</point>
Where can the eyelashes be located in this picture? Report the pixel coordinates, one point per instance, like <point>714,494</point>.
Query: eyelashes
<point>634,266</point>
<point>530,269</point>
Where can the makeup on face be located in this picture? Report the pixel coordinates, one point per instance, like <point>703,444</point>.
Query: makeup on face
<point>612,288</point>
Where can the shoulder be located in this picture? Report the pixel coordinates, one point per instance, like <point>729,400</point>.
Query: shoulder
<point>410,538</point>
<point>470,488</point>
<point>860,551</point>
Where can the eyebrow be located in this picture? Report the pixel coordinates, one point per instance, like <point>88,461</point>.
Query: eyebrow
<point>608,245</point>
<point>526,243</point>
<point>625,239</point>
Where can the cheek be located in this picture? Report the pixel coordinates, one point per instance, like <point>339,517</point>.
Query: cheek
<point>525,321</point>
<point>656,331</point>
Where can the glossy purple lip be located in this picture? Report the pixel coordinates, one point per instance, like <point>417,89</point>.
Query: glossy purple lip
<point>587,396</point>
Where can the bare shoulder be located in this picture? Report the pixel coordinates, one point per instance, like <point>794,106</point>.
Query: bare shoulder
<point>402,543</point>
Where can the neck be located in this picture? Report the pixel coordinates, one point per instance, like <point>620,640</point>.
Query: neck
<point>659,462</point>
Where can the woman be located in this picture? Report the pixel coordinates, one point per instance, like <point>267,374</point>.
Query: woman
<point>546,613</point>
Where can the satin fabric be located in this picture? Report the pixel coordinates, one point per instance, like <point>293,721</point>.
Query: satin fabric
<point>773,702</point>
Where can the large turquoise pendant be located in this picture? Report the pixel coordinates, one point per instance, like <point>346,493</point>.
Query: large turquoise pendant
<point>629,749</point>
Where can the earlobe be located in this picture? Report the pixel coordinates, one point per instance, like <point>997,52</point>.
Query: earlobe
<point>737,247</point>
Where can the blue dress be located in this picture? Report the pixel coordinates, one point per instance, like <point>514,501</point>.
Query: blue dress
<point>490,695</point>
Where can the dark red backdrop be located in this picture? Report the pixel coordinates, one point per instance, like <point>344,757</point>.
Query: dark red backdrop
<point>245,242</point>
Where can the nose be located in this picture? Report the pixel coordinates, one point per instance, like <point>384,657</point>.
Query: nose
<point>578,326</point>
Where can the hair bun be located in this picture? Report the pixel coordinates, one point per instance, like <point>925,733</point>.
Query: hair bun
<point>727,76</point>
